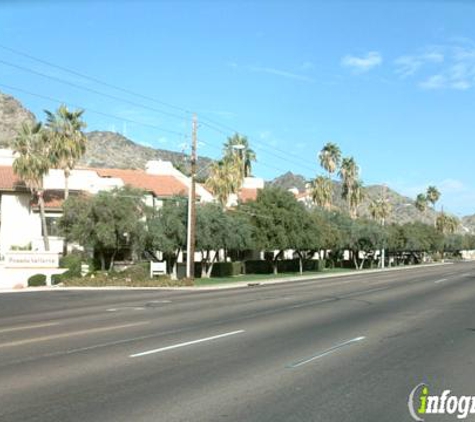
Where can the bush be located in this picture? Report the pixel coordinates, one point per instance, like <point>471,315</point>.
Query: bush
<point>73,263</point>
<point>37,280</point>
<point>314,265</point>
<point>258,267</point>
<point>288,266</point>
<point>227,269</point>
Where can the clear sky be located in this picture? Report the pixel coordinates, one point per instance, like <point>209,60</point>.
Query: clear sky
<point>391,82</point>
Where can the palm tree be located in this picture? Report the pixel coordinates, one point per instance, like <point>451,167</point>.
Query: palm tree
<point>446,224</point>
<point>68,141</point>
<point>32,163</point>
<point>421,202</point>
<point>380,209</point>
<point>330,159</point>
<point>349,176</point>
<point>224,179</point>
<point>356,197</point>
<point>433,195</point>
<point>245,156</point>
<point>321,192</point>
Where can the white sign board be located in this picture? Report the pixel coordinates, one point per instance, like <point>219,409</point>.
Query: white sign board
<point>26,259</point>
<point>158,268</point>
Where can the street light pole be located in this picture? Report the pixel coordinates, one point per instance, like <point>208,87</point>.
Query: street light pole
<point>190,238</point>
<point>383,250</point>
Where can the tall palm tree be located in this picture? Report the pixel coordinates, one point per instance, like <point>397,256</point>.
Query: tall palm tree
<point>32,163</point>
<point>348,173</point>
<point>244,156</point>
<point>380,209</point>
<point>321,192</point>
<point>224,179</point>
<point>433,195</point>
<point>330,159</point>
<point>356,197</point>
<point>421,202</point>
<point>68,141</point>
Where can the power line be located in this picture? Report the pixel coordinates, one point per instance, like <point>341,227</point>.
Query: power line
<point>55,100</point>
<point>94,91</point>
<point>93,79</point>
<point>214,125</point>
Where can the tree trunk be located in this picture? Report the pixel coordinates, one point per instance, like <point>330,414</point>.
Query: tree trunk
<point>66,183</point>
<point>355,259</point>
<point>103,261</point>
<point>204,260</point>
<point>300,262</point>
<point>211,264</point>
<point>41,203</point>
<point>274,263</point>
<point>111,265</point>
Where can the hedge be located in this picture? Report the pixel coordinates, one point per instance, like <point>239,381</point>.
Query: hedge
<point>37,280</point>
<point>227,269</point>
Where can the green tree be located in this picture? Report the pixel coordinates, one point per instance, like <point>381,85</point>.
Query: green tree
<point>244,156</point>
<point>330,160</point>
<point>68,141</point>
<point>421,202</point>
<point>108,222</point>
<point>281,223</point>
<point>217,230</point>
<point>224,179</point>
<point>380,209</point>
<point>356,197</point>
<point>349,175</point>
<point>32,163</point>
<point>321,192</point>
<point>166,232</point>
<point>433,195</point>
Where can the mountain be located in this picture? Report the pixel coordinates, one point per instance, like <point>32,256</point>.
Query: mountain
<point>468,224</point>
<point>403,208</point>
<point>105,149</point>
<point>109,149</point>
<point>290,180</point>
<point>12,115</point>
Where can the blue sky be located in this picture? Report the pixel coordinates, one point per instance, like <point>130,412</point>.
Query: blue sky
<point>392,83</point>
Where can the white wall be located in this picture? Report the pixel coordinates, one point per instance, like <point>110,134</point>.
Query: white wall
<point>18,227</point>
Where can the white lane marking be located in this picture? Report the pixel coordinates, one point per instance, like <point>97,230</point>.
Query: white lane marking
<point>440,281</point>
<point>326,352</point>
<point>70,334</point>
<point>126,308</point>
<point>160,301</point>
<point>27,327</point>
<point>188,343</point>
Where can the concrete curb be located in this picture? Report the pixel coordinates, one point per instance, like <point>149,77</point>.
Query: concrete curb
<point>224,286</point>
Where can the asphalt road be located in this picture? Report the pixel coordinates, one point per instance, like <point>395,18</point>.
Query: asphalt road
<point>341,349</point>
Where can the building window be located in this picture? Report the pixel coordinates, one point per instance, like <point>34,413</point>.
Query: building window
<point>52,225</point>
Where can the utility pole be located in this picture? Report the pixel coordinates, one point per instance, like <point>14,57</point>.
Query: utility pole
<point>383,250</point>
<point>190,255</point>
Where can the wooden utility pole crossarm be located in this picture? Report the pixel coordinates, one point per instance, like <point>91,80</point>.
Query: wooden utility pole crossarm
<point>190,256</point>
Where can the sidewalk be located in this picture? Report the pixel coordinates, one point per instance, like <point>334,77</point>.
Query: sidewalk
<point>232,284</point>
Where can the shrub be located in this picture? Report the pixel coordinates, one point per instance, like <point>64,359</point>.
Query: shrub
<point>227,269</point>
<point>314,265</point>
<point>258,267</point>
<point>73,263</point>
<point>37,280</point>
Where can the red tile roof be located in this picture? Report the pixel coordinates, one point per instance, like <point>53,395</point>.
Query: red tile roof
<point>161,186</point>
<point>9,180</point>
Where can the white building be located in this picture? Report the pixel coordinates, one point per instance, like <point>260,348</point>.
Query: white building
<point>20,225</point>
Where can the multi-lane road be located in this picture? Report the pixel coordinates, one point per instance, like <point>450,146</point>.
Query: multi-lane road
<point>340,349</point>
